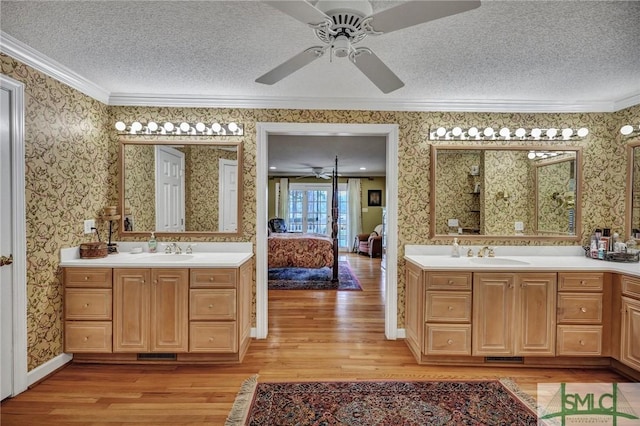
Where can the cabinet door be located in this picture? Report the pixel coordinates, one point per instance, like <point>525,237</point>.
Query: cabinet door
<point>492,314</point>
<point>169,310</point>
<point>535,314</point>
<point>630,333</point>
<point>131,310</point>
<point>413,307</point>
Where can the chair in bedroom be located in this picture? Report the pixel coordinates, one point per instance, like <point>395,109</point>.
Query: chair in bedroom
<point>277,224</point>
<point>371,244</point>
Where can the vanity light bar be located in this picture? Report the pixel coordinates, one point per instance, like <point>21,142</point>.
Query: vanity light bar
<point>629,129</point>
<point>180,129</point>
<point>489,133</point>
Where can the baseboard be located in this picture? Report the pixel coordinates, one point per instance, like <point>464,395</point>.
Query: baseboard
<point>48,368</point>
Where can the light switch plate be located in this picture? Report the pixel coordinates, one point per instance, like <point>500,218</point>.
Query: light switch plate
<point>519,226</point>
<point>453,223</point>
<point>88,224</point>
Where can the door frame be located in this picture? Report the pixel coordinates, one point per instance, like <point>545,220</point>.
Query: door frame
<point>19,242</point>
<point>391,132</point>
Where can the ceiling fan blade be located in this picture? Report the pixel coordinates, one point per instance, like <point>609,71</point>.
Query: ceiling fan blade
<point>292,65</point>
<point>417,12</point>
<point>299,9</point>
<point>376,70</point>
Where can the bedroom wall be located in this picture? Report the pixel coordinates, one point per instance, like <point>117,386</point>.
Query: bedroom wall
<point>71,168</point>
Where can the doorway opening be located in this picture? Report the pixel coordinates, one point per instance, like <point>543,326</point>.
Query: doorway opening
<point>390,132</point>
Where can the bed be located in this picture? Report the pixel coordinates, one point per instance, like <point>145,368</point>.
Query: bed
<point>308,250</point>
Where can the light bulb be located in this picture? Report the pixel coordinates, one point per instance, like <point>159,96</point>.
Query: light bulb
<point>233,127</point>
<point>488,132</point>
<point>169,127</point>
<point>551,133</point>
<point>152,126</point>
<point>120,126</point>
<point>184,126</point>
<point>625,130</point>
<point>531,155</point>
<point>535,133</point>
<point>583,131</point>
<point>567,133</point>
<point>473,132</point>
<point>520,132</point>
<point>456,131</point>
<point>200,127</point>
<point>441,131</point>
<point>136,126</point>
<point>505,132</point>
<point>216,127</point>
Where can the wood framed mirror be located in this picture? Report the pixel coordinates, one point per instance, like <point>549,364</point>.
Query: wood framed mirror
<point>177,187</point>
<point>632,213</point>
<point>505,192</point>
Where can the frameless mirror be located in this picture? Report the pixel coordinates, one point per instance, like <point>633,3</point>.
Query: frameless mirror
<point>633,190</point>
<point>180,187</point>
<point>505,191</point>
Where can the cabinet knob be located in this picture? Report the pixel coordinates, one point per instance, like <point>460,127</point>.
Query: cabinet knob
<point>450,282</point>
<point>450,308</point>
<point>211,279</point>
<point>86,278</point>
<point>583,282</point>
<point>583,309</point>
<point>523,285</point>
<point>581,342</point>
<point>86,305</point>
<point>86,339</point>
<point>211,339</point>
<point>450,342</point>
<point>211,306</point>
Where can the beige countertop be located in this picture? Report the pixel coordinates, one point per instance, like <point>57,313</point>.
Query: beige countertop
<point>217,255</point>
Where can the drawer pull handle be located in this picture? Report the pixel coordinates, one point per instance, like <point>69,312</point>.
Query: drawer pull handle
<point>583,309</point>
<point>451,308</point>
<point>450,342</point>
<point>581,342</point>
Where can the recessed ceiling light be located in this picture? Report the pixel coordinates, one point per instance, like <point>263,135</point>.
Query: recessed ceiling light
<point>363,168</point>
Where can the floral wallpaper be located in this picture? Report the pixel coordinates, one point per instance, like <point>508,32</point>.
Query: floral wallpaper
<point>556,195</point>
<point>139,187</point>
<point>72,169</point>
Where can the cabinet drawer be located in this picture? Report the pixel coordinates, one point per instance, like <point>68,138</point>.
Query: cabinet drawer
<point>87,277</point>
<point>448,306</point>
<point>579,281</point>
<point>447,339</point>
<point>87,336</point>
<point>449,281</point>
<point>220,277</point>
<point>212,304</point>
<point>88,304</point>
<point>631,286</point>
<point>580,308</point>
<point>218,337</point>
<point>579,340</point>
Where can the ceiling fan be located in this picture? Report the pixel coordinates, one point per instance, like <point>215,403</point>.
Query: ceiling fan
<point>318,173</point>
<point>341,25</point>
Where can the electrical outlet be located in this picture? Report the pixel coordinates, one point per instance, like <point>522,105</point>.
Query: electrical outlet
<point>88,224</point>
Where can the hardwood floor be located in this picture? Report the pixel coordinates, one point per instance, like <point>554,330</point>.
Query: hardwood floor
<point>313,335</point>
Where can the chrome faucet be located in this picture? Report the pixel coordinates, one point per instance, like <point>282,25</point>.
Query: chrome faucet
<point>173,248</point>
<point>488,251</point>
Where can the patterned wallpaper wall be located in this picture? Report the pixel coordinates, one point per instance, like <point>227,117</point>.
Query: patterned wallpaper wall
<point>72,153</point>
<point>140,187</point>
<point>555,195</point>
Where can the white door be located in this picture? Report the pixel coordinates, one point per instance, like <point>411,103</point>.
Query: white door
<point>6,252</point>
<point>228,196</point>
<point>169,189</point>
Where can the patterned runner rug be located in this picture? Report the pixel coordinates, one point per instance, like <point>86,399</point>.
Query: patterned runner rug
<point>313,279</point>
<point>497,402</point>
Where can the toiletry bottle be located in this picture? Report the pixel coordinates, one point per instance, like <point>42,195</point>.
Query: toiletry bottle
<point>455,248</point>
<point>593,252</point>
<point>601,250</point>
<point>153,244</point>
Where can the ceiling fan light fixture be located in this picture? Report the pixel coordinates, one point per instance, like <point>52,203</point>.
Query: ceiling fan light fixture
<point>341,47</point>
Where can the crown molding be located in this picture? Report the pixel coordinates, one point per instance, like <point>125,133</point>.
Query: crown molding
<point>24,53</point>
<point>29,56</point>
<point>143,99</point>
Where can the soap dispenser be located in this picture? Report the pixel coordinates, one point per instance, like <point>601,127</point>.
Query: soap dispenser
<point>455,248</point>
<point>153,243</point>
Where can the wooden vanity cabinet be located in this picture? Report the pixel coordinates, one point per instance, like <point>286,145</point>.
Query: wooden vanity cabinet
<point>151,310</point>
<point>581,314</point>
<point>630,322</point>
<point>88,310</point>
<point>514,314</point>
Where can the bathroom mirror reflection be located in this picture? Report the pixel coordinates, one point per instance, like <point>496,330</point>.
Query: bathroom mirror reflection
<point>505,191</point>
<point>633,190</point>
<point>180,187</point>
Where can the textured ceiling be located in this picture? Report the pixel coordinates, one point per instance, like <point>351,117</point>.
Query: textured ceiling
<point>504,55</point>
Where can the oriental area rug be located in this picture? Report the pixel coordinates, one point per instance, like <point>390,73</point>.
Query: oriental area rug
<point>313,278</point>
<point>368,403</point>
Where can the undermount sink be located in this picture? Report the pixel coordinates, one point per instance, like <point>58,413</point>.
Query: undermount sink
<point>160,257</point>
<point>497,261</point>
